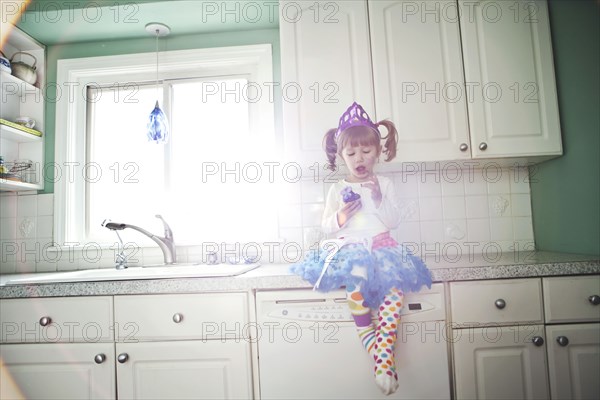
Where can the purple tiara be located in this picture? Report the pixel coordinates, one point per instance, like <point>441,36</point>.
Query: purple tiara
<point>355,115</point>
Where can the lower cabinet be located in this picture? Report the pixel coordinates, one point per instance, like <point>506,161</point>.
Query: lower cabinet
<point>211,369</point>
<point>507,346</point>
<point>501,363</point>
<point>572,311</point>
<point>192,346</point>
<point>574,361</point>
<point>183,346</point>
<point>60,371</point>
<point>498,340</point>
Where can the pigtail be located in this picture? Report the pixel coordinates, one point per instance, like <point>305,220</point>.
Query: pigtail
<point>391,140</point>
<point>330,147</point>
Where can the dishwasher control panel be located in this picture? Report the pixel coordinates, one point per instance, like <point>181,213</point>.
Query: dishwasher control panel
<point>330,309</point>
<point>326,311</point>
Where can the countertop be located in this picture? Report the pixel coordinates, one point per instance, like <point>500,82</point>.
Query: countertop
<point>277,276</point>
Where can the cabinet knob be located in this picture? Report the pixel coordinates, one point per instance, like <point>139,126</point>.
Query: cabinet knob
<point>538,340</point>
<point>45,321</point>
<point>594,299</point>
<point>122,358</point>
<point>177,318</point>
<point>500,304</point>
<point>562,340</point>
<point>100,358</point>
<point>464,147</point>
<point>482,146</point>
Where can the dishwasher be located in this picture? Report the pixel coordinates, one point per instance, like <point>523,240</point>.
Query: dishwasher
<point>309,349</point>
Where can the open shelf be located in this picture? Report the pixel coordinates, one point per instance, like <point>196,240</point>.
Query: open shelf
<point>13,83</point>
<point>7,185</point>
<point>17,135</point>
<point>21,99</point>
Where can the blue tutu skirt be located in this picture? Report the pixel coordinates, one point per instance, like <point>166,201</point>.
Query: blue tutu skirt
<point>376,271</point>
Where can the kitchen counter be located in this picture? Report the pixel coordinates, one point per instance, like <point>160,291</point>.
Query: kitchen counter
<point>277,276</point>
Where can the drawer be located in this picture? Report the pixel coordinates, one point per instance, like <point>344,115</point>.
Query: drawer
<point>509,301</point>
<point>569,299</point>
<point>57,319</point>
<point>181,317</point>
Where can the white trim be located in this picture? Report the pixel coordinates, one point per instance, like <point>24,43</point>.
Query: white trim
<point>74,75</point>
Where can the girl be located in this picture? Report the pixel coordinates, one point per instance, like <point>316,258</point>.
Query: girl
<point>359,213</point>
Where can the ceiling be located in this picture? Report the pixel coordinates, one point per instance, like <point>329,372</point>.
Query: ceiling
<point>55,22</point>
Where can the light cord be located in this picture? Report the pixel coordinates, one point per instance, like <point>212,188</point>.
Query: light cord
<point>157,32</point>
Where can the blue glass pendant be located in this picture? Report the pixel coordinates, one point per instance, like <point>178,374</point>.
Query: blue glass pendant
<point>158,126</point>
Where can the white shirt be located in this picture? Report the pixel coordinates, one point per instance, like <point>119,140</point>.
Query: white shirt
<point>369,221</point>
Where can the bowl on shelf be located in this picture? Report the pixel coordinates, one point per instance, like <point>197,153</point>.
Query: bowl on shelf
<point>27,122</point>
<point>4,63</point>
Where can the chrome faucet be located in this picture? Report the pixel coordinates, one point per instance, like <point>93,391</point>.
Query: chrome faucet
<point>166,243</point>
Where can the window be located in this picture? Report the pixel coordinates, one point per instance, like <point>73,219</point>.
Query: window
<point>218,123</point>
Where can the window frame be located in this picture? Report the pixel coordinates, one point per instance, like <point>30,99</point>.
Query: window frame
<point>75,75</point>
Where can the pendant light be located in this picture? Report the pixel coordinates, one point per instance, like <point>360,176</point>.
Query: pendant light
<point>158,124</point>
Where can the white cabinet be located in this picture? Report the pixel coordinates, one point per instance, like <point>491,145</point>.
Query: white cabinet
<point>192,369</point>
<point>325,66</point>
<point>572,307</point>
<point>191,346</point>
<point>194,346</point>
<point>502,349</point>
<point>63,371</point>
<point>500,363</point>
<point>574,361</point>
<point>59,348</point>
<point>419,81</point>
<point>19,99</point>
<point>460,79</point>
<point>498,340</point>
<point>508,59</point>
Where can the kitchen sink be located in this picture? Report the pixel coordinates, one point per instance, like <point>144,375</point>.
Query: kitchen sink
<point>162,271</point>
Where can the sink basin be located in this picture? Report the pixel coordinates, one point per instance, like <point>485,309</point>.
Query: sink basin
<point>145,272</point>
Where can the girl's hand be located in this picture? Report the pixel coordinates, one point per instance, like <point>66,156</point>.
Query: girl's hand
<point>347,211</point>
<point>373,185</point>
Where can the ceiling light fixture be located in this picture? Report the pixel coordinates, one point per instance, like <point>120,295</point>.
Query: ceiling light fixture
<point>158,124</point>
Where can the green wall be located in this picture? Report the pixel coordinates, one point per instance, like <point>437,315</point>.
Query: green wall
<point>129,46</point>
<point>565,192</point>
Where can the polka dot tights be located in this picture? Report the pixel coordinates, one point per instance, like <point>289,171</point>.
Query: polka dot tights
<point>379,341</point>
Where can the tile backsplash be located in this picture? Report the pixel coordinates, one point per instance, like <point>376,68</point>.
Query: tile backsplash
<point>443,214</point>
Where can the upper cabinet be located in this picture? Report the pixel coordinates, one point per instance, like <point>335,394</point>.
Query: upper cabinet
<point>507,53</point>
<point>22,148</point>
<point>419,81</point>
<point>325,66</point>
<point>461,80</point>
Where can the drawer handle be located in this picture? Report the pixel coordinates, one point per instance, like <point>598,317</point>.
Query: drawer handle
<point>122,358</point>
<point>562,340</point>
<point>538,340</point>
<point>100,358</point>
<point>594,299</point>
<point>500,304</point>
<point>177,318</point>
<point>45,321</point>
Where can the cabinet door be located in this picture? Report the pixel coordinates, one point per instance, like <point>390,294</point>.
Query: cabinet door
<point>325,66</point>
<point>574,361</point>
<point>418,75</point>
<point>211,369</point>
<point>60,371</point>
<point>500,363</point>
<point>509,72</point>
